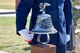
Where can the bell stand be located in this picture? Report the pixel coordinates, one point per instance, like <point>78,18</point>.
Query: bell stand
<point>43,47</point>
<point>43,44</point>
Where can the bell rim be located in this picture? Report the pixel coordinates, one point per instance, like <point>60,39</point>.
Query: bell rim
<point>43,32</point>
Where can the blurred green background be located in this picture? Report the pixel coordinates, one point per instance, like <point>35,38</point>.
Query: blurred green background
<point>9,41</point>
<point>7,4</point>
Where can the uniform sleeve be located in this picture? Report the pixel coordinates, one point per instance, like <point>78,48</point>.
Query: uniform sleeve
<point>68,15</point>
<point>22,12</point>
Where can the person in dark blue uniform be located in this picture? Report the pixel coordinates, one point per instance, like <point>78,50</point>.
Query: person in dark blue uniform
<point>61,15</point>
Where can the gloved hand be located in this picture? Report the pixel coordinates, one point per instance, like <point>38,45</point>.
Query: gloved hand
<point>68,38</point>
<point>26,34</point>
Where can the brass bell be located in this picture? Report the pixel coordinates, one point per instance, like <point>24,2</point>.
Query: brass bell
<point>44,22</point>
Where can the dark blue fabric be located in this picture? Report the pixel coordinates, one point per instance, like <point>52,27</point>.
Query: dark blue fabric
<point>60,10</point>
<point>68,15</point>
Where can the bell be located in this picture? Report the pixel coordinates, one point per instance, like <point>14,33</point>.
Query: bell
<point>44,22</point>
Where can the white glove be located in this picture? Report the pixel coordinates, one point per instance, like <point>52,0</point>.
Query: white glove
<point>26,34</point>
<point>68,38</point>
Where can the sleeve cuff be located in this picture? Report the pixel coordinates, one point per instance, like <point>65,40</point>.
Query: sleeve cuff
<point>68,38</point>
<point>23,31</point>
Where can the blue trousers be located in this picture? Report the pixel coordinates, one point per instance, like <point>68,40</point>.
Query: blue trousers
<point>54,39</point>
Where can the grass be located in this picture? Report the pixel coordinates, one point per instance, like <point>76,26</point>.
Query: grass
<point>7,4</point>
<point>9,41</point>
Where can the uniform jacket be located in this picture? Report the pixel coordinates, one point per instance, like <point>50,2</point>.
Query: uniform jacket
<point>60,11</point>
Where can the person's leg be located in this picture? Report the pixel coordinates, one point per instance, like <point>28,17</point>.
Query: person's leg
<point>60,47</point>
